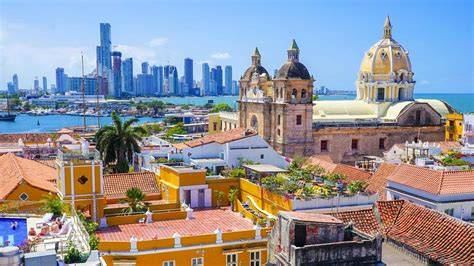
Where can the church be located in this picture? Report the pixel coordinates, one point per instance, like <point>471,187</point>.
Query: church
<point>281,108</point>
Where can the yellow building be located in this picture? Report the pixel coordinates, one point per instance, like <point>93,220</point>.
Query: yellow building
<point>214,123</point>
<point>454,127</point>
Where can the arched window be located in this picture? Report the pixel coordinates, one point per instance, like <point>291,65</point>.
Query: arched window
<point>303,93</point>
<point>293,94</point>
<point>401,94</point>
<point>279,120</point>
<point>380,94</point>
<point>281,92</point>
<point>278,132</point>
<point>254,123</point>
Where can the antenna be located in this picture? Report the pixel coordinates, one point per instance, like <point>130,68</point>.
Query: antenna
<point>83,95</point>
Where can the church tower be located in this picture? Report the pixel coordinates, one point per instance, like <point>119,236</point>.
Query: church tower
<point>292,107</point>
<point>255,97</point>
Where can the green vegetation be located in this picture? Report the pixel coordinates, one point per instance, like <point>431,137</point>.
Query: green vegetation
<point>178,129</point>
<point>90,227</point>
<point>172,120</point>
<point>315,97</point>
<point>151,128</point>
<point>453,161</point>
<point>219,197</point>
<point>237,172</point>
<point>53,204</point>
<point>73,255</point>
<point>221,107</point>
<point>135,200</point>
<point>118,142</point>
<point>233,195</point>
<point>356,186</point>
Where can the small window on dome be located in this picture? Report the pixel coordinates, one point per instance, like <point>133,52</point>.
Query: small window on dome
<point>383,55</point>
<point>398,54</point>
<point>369,54</point>
<point>23,196</point>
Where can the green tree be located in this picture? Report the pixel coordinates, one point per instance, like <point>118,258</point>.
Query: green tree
<point>356,186</point>
<point>53,204</point>
<point>135,200</point>
<point>73,255</point>
<point>157,106</point>
<point>315,97</point>
<point>219,197</point>
<point>221,107</point>
<point>118,142</point>
<point>237,172</point>
<point>176,129</point>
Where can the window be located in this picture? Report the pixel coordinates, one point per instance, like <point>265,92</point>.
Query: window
<point>168,263</point>
<point>278,132</point>
<point>451,123</point>
<point>255,258</point>
<point>231,259</point>
<point>262,156</point>
<point>324,145</point>
<point>197,261</point>
<point>293,94</point>
<point>303,93</point>
<point>355,144</point>
<point>449,211</point>
<point>418,117</point>
<point>279,120</point>
<point>23,196</point>
<point>298,119</point>
<point>380,94</point>
<point>382,143</point>
<point>214,125</point>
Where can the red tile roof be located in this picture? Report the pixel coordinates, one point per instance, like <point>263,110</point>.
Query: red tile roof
<point>14,170</point>
<point>434,181</point>
<point>352,173</point>
<point>378,181</point>
<point>116,185</point>
<point>221,138</point>
<point>311,217</point>
<point>26,137</point>
<point>204,222</point>
<point>438,236</point>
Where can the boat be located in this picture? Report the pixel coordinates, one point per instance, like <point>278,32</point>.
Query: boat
<point>8,117</point>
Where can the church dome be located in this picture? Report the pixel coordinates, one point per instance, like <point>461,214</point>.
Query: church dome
<point>293,69</point>
<point>386,58</point>
<point>255,67</point>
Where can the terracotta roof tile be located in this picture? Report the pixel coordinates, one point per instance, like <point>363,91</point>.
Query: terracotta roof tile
<point>378,181</point>
<point>352,173</point>
<point>15,170</point>
<point>204,222</point>
<point>434,181</point>
<point>116,185</point>
<point>221,138</point>
<point>26,137</point>
<point>364,220</point>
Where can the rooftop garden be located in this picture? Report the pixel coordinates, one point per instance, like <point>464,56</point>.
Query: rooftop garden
<point>453,158</point>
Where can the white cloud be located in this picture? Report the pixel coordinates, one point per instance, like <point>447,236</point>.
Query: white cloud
<point>221,56</point>
<point>139,54</point>
<point>159,41</point>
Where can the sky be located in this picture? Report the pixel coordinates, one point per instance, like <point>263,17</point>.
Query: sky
<point>38,36</point>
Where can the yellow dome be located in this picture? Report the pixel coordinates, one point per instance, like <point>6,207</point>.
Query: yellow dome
<point>386,57</point>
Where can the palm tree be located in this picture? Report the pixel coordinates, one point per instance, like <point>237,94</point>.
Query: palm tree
<point>135,200</point>
<point>118,142</point>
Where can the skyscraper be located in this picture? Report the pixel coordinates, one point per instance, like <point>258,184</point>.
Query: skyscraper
<point>15,83</point>
<point>188,76</point>
<point>117,73</point>
<point>228,80</point>
<point>157,73</point>
<point>166,79</point>
<point>127,75</point>
<point>10,88</point>
<point>60,80</point>
<point>218,79</point>
<point>104,58</point>
<point>45,84</point>
<point>206,80</point>
<point>173,81</point>
<point>145,68</point>
<point>160,84</point>
<point>36,85</point>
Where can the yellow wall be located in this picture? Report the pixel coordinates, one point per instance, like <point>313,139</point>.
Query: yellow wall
<point>214,119</point>
<point>223,185</point>
<point>271,202</point>
<point>81,170</point>
<point>454,126</point>
<point>34,194</point>
<point>176,178</point>
<point>159,216</point>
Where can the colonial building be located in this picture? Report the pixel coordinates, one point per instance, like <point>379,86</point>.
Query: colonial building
<point>282,111</point>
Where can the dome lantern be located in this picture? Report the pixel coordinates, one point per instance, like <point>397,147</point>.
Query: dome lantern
<point>293,52</point>
<point>387,29</point>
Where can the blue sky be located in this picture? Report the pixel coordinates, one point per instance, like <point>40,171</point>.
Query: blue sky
<point>38,36</point>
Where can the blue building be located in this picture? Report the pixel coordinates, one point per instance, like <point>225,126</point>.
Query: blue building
<point>174,82</point>
<point>218,79</point>
<point>75,84</point>
<point>104,50</point>
<point>127,76</point>
<point>145,68</point>
<point>188,76</point>
<point>144,85</point>
<point>11,88</point>
<point>157,73</point>
<point>15,83</point>
<point>228,80</point>
<point>160,84</point>
<point>45,84</point>
<point>117,74</point>
<point>206,80</point>
<point>61,80</point>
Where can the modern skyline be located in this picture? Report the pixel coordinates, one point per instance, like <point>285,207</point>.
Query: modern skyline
<point>62,33</point>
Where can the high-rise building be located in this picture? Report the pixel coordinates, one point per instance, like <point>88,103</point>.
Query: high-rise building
<point>218,79</point>
<point>157,73</point>
<point>127,76</point>
<point>144,84</point>
<point>60,80</point>
<point>45,84</point>
<point>145,67</point>
<point>188,76</point>
<point>104,50</point>
<point>117,73</point>
<point>160,84</point>
<point>235,87</point>
<point>36,85</point>
<point>75,84</point>
<point>228,80</point>
<point>166,82</point>
<point>206,80</point>
<point>11,88</point>
<point>15,83</point>
<point>173,81</point>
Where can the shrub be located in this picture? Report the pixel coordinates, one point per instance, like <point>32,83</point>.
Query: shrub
<point>219,197</point>
<point>356,186</point>
<point>53,204</point>
<point>73,255</point>
<point>93,242</point>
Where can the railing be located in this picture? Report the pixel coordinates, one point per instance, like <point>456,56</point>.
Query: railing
<point>79,232</point>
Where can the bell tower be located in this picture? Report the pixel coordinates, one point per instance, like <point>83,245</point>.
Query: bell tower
<point>292,107</point>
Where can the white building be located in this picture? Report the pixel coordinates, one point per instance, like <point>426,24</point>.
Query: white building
<point>468,134</point>
<point>228,149</point>
<point>451,192</point>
